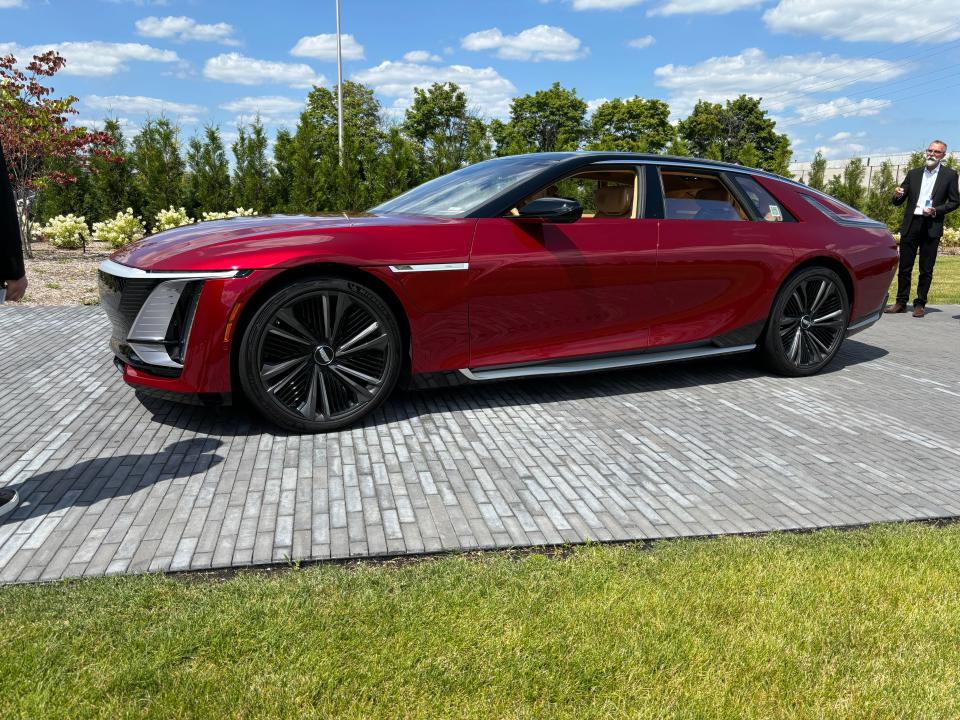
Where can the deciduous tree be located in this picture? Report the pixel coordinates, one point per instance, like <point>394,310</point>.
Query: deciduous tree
<point>41,150</point>
<point>632,125</point>
<point>547,121</point>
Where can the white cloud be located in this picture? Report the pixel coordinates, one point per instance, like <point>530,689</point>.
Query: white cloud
<point>705,7</point>
<point>184,112</point>
<point>324,47</point>
<point>543,42</point>
<point>604,4</point>
<point>592,105</point>
<point>484,87</point>
<point>94,58</point>
<point>236,68</point>
<point>785,82</point>
<point>421,56</point>
<point>125,125</point>
<point>11,3</point>
<point>844,107</point>
<point>843,136</point>
<point>642,42</point>
<point>184,29</point>
<point>266,105</point>
<point>897,21</point>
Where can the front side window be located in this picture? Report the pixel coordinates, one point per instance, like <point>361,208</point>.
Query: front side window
<point>459,193</point>
<point>691,195</point>
<point>601,193</point>
<point>766,205</point>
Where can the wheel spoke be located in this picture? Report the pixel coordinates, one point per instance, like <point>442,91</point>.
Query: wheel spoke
<point>795,345</point>
<point>286,316</point>
<point>815,341</point>
<point>292,373</point>
<point>324,397</point>
<point>359,390</point>
<point>309,407</point>
<point>827,290</point>
<point>823,318</point>
<point>326,318</point>
<point>813,353</point>
<point>268,371</point>
<point>358,337</point>
<point>377,343</point>
<point>355,373</point>
<point>274,330</point>
<point>343,302</point>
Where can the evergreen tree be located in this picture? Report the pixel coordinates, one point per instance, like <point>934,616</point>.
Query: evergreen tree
<point>111,179</point>
<point>878,204</point>
<point>252,172</point>
<point>818,170</point>
<point>400,167</point>
<point>158,167</point>
<point>749,156</point>
<point>281,182</point>
<point>852,191</point>
<point>209,181</point>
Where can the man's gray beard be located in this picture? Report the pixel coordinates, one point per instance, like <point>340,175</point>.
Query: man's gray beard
<point>931,164</point>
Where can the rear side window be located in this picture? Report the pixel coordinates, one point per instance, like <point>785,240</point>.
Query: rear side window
<point>766,205</point>
<point>690,195</point>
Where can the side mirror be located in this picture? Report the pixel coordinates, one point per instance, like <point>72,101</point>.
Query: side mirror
<point>552,209</point>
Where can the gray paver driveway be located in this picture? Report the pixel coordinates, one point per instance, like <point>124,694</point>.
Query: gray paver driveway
<point>112,484</point>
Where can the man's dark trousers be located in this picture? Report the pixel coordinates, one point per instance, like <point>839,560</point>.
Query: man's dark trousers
<point>916,238</point>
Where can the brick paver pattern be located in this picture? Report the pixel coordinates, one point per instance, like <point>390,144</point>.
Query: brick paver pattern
<point>115,484</point>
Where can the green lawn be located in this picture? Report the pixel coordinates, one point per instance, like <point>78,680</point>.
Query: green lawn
<point>861,624</point>
<point>945,289</point>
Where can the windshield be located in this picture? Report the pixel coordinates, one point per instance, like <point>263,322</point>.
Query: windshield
<point>462,191</point>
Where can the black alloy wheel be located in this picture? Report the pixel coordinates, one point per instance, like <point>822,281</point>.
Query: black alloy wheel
<point>320,354</point>
<point>808,322</point>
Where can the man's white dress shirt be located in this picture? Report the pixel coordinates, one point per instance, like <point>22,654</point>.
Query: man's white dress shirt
<point>926,189</point>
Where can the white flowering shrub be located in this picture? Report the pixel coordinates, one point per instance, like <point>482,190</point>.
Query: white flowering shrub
<point>171,218</point>
<point>125,228</point>
<point>66,231</point>
<point>36,233</point>
<point>239,212</point>
<point>951,238</point>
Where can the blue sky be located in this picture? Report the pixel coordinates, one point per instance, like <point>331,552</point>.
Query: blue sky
<point>849,76</point>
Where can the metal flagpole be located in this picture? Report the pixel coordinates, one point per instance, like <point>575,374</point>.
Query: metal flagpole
<point>339,88</point>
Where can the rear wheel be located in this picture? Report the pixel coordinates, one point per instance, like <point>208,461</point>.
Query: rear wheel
<point>807,324</point>
<point>320,354</point>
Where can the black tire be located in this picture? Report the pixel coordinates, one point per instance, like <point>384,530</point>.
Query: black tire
<point>807,324</point>
<point>320,354</point>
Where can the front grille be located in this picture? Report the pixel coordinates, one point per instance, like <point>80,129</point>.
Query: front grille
<point>122,299</point>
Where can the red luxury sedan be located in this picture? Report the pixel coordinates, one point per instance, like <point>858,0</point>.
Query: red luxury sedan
<point>521,266</point>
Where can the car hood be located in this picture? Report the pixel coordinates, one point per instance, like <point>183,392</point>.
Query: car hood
<point>230,243</point>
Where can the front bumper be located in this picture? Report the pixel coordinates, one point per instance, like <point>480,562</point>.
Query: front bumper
<point>172,331</point>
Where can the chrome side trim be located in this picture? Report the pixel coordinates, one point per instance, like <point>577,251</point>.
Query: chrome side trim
<point>435,267</point>
<point>125,271</point>
<point>610,363</point>
<point>154,355</point>
<point>864,324</point>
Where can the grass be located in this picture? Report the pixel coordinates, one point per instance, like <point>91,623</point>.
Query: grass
<point>945,288</point>
<point>826,625</point>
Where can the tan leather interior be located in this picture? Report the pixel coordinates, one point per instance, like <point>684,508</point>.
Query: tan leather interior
<point>613,200</point>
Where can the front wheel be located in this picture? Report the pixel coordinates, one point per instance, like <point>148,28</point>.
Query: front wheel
<point>320,354</point>
<point>807,324</point>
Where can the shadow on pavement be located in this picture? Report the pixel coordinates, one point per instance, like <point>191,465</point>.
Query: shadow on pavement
<point>408,404</point>
<point>99,479</point>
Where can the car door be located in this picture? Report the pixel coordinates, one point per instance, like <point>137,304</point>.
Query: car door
<point>541,291</point>
<point>716,261</point>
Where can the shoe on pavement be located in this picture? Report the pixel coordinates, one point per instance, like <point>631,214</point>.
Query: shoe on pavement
<point>919,311</point>
<point>897,308</point>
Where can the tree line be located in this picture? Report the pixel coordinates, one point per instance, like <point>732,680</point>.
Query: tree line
<point>438,133</point>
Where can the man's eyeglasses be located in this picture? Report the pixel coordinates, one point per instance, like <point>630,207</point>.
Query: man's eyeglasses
<point>935,152</point>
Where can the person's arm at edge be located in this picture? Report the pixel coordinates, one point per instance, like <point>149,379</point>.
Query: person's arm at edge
<point>12,270</point>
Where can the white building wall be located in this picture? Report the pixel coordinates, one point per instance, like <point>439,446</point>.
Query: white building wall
<point>899,163</point>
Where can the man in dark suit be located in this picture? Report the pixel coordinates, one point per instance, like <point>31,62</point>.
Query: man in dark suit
<point>13,278</point>
<point>930,192</point>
